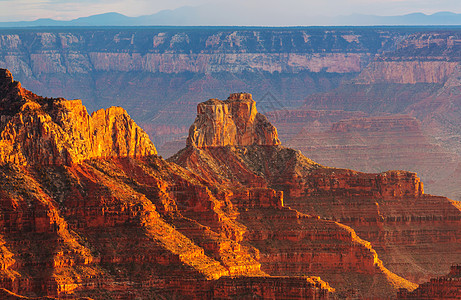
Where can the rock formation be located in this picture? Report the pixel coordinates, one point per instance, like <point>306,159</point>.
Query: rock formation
<point>36,130</point>
<point>178,68</point>
<point>233,122</point>
<point>256,166</point>
<point>388,209</point>
<point>444,287</point>
<point>435,106</point>
<point>159,76</point>
<point>370,144</point>
<point>88,210</point>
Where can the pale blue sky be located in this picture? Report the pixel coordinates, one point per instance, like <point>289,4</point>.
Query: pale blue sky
<point>15,10</point>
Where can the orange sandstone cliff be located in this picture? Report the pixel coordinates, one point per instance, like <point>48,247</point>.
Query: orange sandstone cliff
<point>36,130</point>
<point>234,122</point>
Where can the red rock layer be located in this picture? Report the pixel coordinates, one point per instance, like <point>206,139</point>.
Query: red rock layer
<point>416,235</point>
<point>125,228</point>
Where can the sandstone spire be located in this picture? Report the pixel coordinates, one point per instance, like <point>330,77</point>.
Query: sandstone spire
<point>234,122</point>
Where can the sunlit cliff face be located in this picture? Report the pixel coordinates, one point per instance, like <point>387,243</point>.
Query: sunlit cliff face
<point>232,122</point>
<point>36,130</point>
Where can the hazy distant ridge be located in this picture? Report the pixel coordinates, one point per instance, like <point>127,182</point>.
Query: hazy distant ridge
<point>204,15</point>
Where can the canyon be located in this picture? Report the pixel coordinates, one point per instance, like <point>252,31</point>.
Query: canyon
<point>237,212</point>
<point>160,74</point>
<point>109,219</point>
<point>90,210</point>
<point>234,214</point>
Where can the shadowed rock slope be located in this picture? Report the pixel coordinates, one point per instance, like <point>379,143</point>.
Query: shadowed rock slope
<point>416,235</point>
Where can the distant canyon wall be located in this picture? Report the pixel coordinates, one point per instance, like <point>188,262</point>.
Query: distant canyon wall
<point>33,52</point>
<point>147,69</point>
<point>407,72</point>
<point>424,57</point>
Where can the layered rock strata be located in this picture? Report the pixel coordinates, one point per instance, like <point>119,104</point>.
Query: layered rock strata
<point>36,130</point>
<point>232,122</point>
<point>159,75</point>
<point>153,72</point>
<point>373,144</point>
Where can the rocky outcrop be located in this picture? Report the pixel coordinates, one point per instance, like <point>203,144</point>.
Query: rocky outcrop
<point>234,122</point>
<point>36,130</point>
<point>374,144</point>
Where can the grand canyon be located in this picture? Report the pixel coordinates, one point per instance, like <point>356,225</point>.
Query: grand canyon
<point>329,169</point>
<point>89,209</point>
<point>365,98</point>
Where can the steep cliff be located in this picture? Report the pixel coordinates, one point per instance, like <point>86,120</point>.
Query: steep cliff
<point>197,50</point>
<point>428,57</point>
<point>234,122</point>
